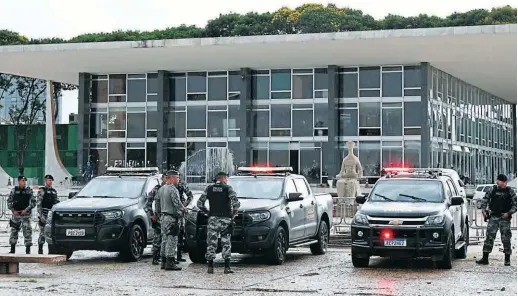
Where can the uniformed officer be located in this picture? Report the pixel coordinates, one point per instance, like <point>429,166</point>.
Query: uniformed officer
<point>155,215</point>
<point>21,201</point>
<point>223,204</point>
<point>182,189</point>
<point>46,198</point>
<point>171,211</point>
<point>501,203</point>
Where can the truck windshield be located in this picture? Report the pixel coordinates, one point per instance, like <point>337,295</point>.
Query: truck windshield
<point>407,191</point>
<point>113,188</point>
<point>256,188</point>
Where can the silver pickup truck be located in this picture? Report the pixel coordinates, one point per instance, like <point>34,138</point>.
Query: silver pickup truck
<point>278,211</point>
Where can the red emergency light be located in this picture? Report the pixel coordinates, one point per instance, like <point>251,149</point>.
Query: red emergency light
<point>265,169</point>
<point>387,234</point>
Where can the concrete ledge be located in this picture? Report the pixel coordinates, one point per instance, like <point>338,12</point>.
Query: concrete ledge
<point>44,259</point>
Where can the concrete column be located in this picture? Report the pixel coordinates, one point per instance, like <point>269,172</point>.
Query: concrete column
<point>83,112</point>
<point>515,134</point>
<point>162,106</point>
<point>244,155</point>
<point>426,140</point>
<point>332,160</point>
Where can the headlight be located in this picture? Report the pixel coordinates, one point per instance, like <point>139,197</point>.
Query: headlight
<point>259,216</point>
<point>49,217</point>
<point>361,219</point>
<point>435,220</point>
<point>112,215</point>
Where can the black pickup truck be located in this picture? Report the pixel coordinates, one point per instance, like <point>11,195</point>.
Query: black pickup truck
<point>278,211</point>
<point>411,215</point>
<point>105,215</point>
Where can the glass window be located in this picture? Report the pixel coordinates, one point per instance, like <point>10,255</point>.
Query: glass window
<point>117,118</point>
<point>412,154</point>
<point>152,83</point>
<point>261,88</point>
<point>136,125</point>
<point>400,190</point>
<point>392,122</point>
<point>175,157</point>
<point>290,187</point>
<point>279,154</point>
<point>136,158</point>
<point>260,123</point>
<point>196,161</point>
<point>310,164</point>
<point>116,154</point>
<point>413,113</point>
<point>302,123</point>
<point>321,81</point>
<point>302,187</point>
<point>281,79</point>
<point>321,115</point>
<point>196,117</point>
<point>369,114</point>
<point>99,91</point>
<point>217,88</point>
<point>392,84</point>
<point>176,124</point>
<point>114,187</point>
<point>151,149</point>
<point>136,90</point>
<point>412,76</point>
<point>392,157</point>
<point>117,84</point>
<point>234,81</point>
<point>233,117</point>
<point>178,88</point>
<point>348,85</point>
<point>281,116</point>
<point>98,125</point>
<point>348,122</point>
<point>302,86</point>
<point>369,77</point>
<point>217,124</point>
<point>257,188</point>
<point>370,157</point>
<point>196,82</point>
<point>152,119</point>
<point>99,161</point>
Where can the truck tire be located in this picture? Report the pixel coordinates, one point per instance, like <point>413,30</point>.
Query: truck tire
<point>462,253</point>
<point>60,251</point>
<point>359,262</point>
<point>277,253</point>
<point>447,261</point>
<point>197,255</point>
<point>320,248</point>
<point>133,244</point>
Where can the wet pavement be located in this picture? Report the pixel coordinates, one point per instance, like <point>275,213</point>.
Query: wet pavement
<point>101,273</point>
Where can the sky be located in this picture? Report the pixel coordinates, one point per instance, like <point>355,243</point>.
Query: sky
<point>68,18</point>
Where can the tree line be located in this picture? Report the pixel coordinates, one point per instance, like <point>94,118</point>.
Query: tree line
<point>307,18</point>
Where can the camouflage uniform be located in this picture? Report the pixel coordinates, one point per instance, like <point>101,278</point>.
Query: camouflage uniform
<point>17,201</point>
<point>494,199</point>
<point>183,188</point>
<point>171,211</point>
<point>218,223</point>
<point>153,197</point>
<point>46,198</point>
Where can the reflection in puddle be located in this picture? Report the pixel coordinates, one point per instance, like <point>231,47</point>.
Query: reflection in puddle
<point>386,287</point>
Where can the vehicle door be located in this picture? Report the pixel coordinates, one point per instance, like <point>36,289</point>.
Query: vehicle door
<point>310,207</point>
<point>455,210</point>
<point>295,211</point>
<point>149,186</point>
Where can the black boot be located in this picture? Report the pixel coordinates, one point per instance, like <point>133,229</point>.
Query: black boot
<point>227,266</point>
<point>162,265</point>
<point>40,249</point>
<point>210,266</point>
<point>27,250</point>
<point>507,261</point>
<point>13,249</point>
<point>170,265</point>
<point>484,260</point>
<point>179,258</point>
<point>156,256</point>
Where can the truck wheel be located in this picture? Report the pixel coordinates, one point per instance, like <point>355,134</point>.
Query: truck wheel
<point>447,261</point>
<point>462,253</point>
<point>133,246</point>
<point>359,261</point>
<point>197,255</point>
<point>60,251</point>
<point>277,253</point>
<point>320,248</point>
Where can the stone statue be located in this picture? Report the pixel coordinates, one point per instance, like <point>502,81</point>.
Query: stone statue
<point>347,184</point>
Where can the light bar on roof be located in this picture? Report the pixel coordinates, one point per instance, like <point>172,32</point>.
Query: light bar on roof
<point>132,170</point>
<point>265,170</point>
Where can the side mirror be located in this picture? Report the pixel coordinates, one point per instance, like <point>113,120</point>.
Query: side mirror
<point>360,199</point>
<point>295,196</point>
<point>72,194</point>
<point>457,200</point>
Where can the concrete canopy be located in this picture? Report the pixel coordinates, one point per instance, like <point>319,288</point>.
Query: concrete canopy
<point>484,56</point>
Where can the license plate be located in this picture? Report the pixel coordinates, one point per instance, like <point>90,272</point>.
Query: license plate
<point>395,243</point>
<point>75,232</point>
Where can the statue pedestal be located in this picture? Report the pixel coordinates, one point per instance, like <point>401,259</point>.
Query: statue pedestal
<point>348,188</point>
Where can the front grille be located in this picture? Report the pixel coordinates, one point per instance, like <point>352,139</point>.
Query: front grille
<point>401,222</point>
<point>78,218</point>
<point>242,220</point>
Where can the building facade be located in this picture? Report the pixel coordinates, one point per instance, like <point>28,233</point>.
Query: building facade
<point>411,115</point>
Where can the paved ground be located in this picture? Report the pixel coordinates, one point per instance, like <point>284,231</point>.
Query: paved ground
<point>303,274</point>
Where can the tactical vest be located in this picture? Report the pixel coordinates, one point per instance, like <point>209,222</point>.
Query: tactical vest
<point>50,196</point>
<point>22,198</point>
<point>219,201</point>
<point>500,201</point>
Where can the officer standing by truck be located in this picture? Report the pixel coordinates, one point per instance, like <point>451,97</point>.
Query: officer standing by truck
<point>182,189</point>
<point>155,215</point>
<point>47,197</point>
<point>171,211</point>
<point>21,201</point>
<point>498,205</point>
<point>223,204</point>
